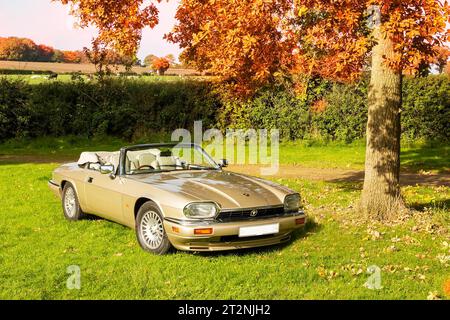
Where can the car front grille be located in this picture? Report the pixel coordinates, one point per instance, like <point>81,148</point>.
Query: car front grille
<point>246,214</point>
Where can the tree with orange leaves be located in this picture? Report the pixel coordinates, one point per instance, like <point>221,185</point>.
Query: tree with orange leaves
<point>71,56</point>
<point>241,41</point>
<point>160,65</point>
<point>442,58</point>
<point>45,53</point>
<point>447,69</point>
<point>119,22</point>
<point>248,42</point>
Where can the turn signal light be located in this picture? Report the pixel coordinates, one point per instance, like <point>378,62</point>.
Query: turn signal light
<point>203,231</point>
<point>176,229</point>
<point>300,221</point>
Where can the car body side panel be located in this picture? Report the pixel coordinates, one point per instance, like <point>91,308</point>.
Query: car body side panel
<point>72,173</point>
<point>170,204</point>
<point>104,195</point>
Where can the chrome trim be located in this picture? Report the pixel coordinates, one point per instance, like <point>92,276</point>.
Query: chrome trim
<point>184,222</point>
<point>251,208</point>
<point>53,183</point>
<point>207,222</point>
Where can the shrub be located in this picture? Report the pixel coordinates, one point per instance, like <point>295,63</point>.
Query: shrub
<point>269,109</point>
<point>119,107</point>
<point>345,115</point>
<point>133,109</point>
<point>14,115</point>
<point>426,108</point>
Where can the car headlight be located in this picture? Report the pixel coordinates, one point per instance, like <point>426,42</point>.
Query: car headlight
<point>200,210</point>
<point>292,202</point>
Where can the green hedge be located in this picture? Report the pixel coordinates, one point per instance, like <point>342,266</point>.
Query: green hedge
<point>426,108</point>
<point>132,109</point>
<point>425,111</point>
<point>120,107</point>
<point>22,71</point>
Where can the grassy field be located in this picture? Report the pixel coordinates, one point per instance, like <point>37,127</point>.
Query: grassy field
<point>432,157</point>
<point>42,78</point>
<point>77,67</point>
<point>327,260</point>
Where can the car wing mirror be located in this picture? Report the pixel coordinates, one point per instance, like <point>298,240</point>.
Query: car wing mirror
<point>223,163</point>
<point>108,169</point>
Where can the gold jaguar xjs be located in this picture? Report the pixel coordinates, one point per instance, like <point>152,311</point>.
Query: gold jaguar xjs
<point>176,195</point>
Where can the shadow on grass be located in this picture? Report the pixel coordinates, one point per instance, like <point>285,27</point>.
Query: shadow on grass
<point>347,186</point>
<point>428,156</point>
<point>310,227</point>
<point>440,204</point>
<point>354,180</point>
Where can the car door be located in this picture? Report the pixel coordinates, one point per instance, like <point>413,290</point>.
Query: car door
<point>104,195</point>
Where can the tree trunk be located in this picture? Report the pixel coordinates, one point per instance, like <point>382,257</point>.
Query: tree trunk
<point>381,197</point>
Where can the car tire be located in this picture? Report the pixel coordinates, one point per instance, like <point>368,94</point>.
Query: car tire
<point>71,207</point>
<point>150,231</point>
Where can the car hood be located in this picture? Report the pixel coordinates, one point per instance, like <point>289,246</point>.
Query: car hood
<point>229,190</point>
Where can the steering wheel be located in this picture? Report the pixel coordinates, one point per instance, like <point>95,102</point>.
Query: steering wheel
<point>146,166</point>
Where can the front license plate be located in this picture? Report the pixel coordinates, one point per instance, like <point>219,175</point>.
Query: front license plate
<point>259,230</point>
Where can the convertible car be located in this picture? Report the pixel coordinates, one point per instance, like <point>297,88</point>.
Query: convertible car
<point>176,195</point>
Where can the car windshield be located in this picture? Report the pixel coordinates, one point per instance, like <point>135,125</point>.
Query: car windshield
<point>162,158</point>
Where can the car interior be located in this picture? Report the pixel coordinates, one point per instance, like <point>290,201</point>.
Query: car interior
<point>140,161</point>
<point>152,159</point>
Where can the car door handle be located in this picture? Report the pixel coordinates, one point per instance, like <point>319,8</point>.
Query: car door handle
<point>90,179</point>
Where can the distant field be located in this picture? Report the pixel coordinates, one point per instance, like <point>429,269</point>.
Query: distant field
<point>75,67</point>
<point>43,78</point>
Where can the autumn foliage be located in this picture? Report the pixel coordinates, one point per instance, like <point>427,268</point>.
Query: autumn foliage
<point>447,69</point>
<point>447,287</point>
<point>119,22</point>
<point>248,42</point>
<point>239,40</point>
<point>442,58</point>
<point>160,65</point>
<point>23,49</point>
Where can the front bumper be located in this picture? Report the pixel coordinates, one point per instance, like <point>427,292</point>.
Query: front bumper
<point>225,235</point>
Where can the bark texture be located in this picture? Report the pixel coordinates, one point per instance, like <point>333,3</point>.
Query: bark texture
<point>381,197</point>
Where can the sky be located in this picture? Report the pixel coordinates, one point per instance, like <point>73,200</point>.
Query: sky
<point>48,22</point>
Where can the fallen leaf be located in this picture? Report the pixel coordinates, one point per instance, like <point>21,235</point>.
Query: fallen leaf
<point>433,295</point>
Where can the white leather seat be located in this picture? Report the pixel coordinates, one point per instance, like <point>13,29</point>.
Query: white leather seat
<point>168,163</point>
<point>146,159</point>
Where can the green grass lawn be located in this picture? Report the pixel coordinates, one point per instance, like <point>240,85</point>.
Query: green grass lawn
<point>327,260</point>
<point>414,156</point>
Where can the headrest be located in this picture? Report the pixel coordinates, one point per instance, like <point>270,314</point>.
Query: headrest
<point>146,158</point>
